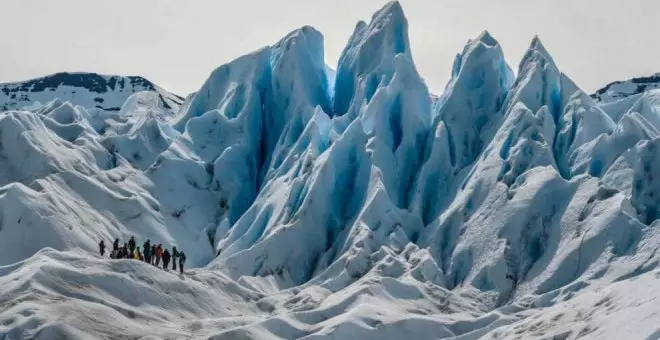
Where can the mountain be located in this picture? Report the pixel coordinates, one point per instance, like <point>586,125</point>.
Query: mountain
<point>622,89</point>
<point>89,90</point>
<point>346,202</point>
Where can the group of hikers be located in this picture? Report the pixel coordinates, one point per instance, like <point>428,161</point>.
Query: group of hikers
<point>152,254</point>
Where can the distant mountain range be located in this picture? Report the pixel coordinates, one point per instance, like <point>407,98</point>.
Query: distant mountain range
<point>89,90</point>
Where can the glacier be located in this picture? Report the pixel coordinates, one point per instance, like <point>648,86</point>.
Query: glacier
<point>334,202</point>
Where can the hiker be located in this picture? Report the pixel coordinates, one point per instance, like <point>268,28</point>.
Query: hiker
<point>102,248</point>
<point>125,254</point>
<point>131,244</point>
<point>166,259</point>
<point>152,257</point>
<point>175,255</point>
<point>182,260</point>
<point>159,254</point>
<point>146,251</point>
<point>115,245</point>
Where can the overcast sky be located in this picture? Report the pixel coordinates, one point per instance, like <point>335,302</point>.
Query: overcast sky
<point>177,43</point>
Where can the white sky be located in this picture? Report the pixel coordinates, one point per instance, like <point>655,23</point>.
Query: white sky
<point>177,43</point>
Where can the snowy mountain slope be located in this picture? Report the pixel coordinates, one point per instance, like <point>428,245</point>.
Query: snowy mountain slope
<point>622,89</point>
<point>335,205</point>
<point>89,90</point>
<point>72,296</point>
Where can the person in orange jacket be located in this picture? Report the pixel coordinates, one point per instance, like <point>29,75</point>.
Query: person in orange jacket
<point>159,254</point>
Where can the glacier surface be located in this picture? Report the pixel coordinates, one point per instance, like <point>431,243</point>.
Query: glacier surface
<point>346,202</point>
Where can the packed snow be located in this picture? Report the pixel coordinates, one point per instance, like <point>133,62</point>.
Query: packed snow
<point>323,202</point>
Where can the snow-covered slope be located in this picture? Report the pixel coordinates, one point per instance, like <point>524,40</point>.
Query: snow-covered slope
<point>347,204</point>
<point>622,89</point>
<point>89,90</point>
